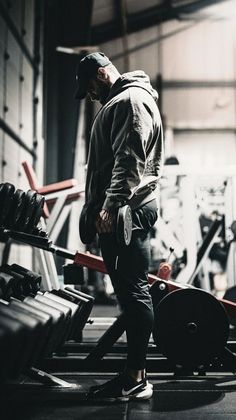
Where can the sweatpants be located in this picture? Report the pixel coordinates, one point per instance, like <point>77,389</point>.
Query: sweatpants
<point>127,267</point>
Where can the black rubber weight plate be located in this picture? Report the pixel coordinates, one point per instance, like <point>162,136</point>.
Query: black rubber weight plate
<point>29,201</point>
<point>230,295</point>
<point>87,228</point>
<point>124,225</point>
<point>37,212</point>
<point>6,195</point>
<point>191,327</point>
<point>16,208</point>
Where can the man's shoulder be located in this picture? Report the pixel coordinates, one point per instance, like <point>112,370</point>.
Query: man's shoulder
<point>122,99</point>
<point>130,95</point>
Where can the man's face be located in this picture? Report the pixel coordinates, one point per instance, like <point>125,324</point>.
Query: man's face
<point>98,90</point>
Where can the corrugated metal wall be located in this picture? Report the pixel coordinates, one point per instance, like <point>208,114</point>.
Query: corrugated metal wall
<point>18,75</point>
<point>199,63</point>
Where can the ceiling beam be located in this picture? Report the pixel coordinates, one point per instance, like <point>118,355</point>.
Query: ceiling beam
<point>146,18</point>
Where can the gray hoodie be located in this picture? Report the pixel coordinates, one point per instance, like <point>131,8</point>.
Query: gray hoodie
<point>126,146</point>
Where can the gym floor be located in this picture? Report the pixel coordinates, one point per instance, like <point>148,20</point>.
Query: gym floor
<point>207,398</point>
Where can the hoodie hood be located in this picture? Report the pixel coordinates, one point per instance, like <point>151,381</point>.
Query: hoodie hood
<point>136,78</point>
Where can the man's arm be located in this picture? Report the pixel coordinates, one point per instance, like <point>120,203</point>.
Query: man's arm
<point>132,128</point>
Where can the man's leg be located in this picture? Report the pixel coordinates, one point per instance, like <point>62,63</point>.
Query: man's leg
<point>128,268</point>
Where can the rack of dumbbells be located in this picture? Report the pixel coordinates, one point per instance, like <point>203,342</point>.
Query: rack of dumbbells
<point>190,334</point>
<point>34,323</point>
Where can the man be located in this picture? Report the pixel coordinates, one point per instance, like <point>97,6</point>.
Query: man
<point>124,164</point>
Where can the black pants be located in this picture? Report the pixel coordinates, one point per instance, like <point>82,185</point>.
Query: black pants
<point>127,267</point>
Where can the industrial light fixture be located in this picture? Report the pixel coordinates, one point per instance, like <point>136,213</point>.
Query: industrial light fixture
<point>77,50</point>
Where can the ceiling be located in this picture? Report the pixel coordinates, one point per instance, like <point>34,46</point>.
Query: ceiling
<point>111,19</point>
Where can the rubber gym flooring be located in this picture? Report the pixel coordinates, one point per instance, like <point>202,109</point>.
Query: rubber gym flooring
<point>207,398</point>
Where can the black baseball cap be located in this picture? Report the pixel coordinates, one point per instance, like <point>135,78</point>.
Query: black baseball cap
<point>87,68</point>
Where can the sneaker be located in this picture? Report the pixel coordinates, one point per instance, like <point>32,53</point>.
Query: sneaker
<point>121,388</point>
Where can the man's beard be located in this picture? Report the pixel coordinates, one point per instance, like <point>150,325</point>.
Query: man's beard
<point>102,93</point>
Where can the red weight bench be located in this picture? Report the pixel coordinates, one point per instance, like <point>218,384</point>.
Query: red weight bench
<point>59,197</point>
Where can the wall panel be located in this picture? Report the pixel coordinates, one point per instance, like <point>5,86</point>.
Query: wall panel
<point>199,108</point>
<point>2,49</point>
<point>12,83</point>
<point>26,103</point>
<point>11,155</point>
<point>17,73</point>
<point>202,52</point>
<point>205,149</point>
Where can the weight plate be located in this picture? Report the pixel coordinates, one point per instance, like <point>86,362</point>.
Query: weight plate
<point>27,211</point>
<point>233,228</point>
<point>19,198</point>
<point>191,327</point>
<point>230,295</point>
<point>6,195</point>
<point>16,209</point>
<point>37,212</point>
<point>87,229</point>
<point>124,225</point>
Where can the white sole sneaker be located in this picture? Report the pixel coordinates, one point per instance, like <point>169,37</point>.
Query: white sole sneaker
<point>145,394</point>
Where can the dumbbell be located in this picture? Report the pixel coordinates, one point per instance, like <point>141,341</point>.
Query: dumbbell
<point>4,353</point>
<point>20,211</point>
<point>123,225</point>
<point>57,320</point>
<point>80,305</point>
<point>17,281</point>
<point>32,280</point>
<point>84,305</point>
<point>45,320</point>
<point>65,309</point>
<point>37,331</point>
<point>6,195</point>
<point>6,285</point>
<point>11,283</point>
<point>15,210</point>
<point>31,333</point>
<point>71,305</point>
<point>12,363</point>
<point>75,306</point>
<point>53,317</point>
<point>31,211</point>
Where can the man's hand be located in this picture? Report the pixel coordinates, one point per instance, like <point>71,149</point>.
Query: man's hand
<point>105,222</point>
